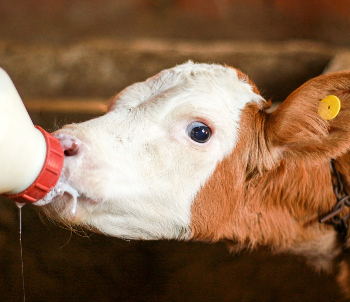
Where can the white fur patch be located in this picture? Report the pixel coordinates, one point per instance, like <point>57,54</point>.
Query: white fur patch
<point>137,171</point>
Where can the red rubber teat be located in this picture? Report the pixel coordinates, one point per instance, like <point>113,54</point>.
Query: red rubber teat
<point>49,175</point>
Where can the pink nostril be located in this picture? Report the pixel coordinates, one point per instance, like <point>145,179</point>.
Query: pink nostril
<point>71,151</point>
<point>70,144</point>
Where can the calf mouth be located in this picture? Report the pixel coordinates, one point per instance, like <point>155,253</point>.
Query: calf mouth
<point>61,203</point>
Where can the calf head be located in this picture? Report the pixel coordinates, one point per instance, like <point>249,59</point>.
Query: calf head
<point>193,153</point>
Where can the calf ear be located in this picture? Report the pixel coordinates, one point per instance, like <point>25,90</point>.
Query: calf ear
<point>298,129</point>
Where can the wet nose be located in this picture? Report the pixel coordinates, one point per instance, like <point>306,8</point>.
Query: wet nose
<point>69,143</point>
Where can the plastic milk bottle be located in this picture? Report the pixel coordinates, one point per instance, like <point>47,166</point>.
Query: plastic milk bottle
<point>31,159</point>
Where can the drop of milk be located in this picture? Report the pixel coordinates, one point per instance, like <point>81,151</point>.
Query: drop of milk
<point>61,187</point>
<point>20,205</point>
<point>58,190</point>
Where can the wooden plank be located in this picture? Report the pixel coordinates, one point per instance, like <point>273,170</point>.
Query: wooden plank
<point>68,105</point>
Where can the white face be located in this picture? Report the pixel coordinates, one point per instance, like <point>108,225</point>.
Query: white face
<point>137,170</point>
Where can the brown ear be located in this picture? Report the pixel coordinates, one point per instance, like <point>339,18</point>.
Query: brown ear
<point>297,128</point>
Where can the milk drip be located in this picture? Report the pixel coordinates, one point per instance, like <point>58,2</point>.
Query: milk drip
<point>31,159</point>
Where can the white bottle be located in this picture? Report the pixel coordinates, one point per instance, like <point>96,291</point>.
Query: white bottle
<point>26,151</point>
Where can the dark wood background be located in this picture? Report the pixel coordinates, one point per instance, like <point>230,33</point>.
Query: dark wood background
<point>49,48</point>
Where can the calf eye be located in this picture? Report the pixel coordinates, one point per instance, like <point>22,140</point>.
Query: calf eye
<point>199,132</point>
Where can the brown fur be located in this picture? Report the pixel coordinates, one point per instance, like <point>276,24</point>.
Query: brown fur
<point>276,184</point>
<point>243,77</point>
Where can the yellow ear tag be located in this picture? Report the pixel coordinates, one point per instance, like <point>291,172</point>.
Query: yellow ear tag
<point>329,107</point>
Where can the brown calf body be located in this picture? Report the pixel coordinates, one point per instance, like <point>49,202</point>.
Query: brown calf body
<point>276,184</point>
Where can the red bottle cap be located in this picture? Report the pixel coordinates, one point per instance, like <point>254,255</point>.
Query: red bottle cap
<point>49,175</point>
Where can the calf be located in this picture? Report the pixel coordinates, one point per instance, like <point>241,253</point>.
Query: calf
<point>193,154</point>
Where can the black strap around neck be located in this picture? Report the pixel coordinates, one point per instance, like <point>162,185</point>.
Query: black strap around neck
<point>341,224</point>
